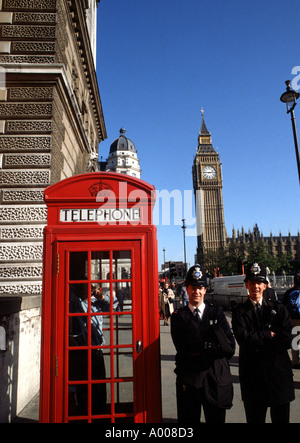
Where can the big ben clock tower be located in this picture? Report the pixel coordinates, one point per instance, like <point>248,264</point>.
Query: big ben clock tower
<point>208,183</point>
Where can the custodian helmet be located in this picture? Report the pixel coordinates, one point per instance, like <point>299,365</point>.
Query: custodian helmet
<point>256,272</point>
<point>196,276</point>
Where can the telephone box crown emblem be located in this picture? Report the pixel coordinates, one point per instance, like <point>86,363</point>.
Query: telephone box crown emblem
<point>100,188</point>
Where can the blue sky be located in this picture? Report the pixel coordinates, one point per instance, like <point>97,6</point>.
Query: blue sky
<point>159,62</point>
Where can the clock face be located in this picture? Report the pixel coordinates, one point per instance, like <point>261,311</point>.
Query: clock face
<point>209,172</point>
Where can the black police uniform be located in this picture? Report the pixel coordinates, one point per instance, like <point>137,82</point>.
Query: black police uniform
<point>265,370</point>
<point>203,349</point>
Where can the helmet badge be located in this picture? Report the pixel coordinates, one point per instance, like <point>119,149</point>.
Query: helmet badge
<point>255,269</point>
<point>197,274</point>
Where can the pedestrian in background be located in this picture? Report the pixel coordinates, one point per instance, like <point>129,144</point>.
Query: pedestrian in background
<point>204,343</point>
<point>262,329</point>
<point>167,298</point>
<point>183,296</point>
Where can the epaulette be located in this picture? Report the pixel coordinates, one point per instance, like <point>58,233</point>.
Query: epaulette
<point>216,307</point>
<point>275,302</point>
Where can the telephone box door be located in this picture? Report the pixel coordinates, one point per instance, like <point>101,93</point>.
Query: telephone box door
<point>99,332</point>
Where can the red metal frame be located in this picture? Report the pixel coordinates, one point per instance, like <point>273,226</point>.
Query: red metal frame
<point>62,238</point>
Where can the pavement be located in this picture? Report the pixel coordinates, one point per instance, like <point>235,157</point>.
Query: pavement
<point>30,413</point>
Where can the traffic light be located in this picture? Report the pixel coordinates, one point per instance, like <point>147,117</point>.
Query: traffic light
<point>173,272</point>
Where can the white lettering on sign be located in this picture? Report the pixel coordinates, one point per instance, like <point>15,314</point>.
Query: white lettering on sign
<point>107,215</point>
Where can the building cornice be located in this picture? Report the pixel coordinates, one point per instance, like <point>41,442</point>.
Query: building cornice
<point>83,41</point>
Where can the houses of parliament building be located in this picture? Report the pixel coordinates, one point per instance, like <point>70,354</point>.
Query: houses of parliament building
<point>211,231</point>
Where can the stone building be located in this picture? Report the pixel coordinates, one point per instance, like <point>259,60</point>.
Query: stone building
<point>51,123</point>
<point>279,246</point>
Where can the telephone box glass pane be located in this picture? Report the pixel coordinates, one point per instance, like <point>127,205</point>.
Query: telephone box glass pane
<point>106,330</point>
<point>123,362</point>
<point>98,365</point>
<point>123,330</point>
<point>97,338</point>
<point>100,265</point>
<point>106,296</point>
<point>99,399</point>
<point>78,365</point>
<point>100,297</point>
<point>78,297</point>
<point>78,303</point>
<point>106,358</point>
<point>78,331</point>
<point>123,295</point>
<point>124,397</point>
<point>100,330</point>
<point>122,265</point>
<point>78,400</point>
<point>78,268</point>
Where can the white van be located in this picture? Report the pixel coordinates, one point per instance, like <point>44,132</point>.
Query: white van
<point>227,291</point>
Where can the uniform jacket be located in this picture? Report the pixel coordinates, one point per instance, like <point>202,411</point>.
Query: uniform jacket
<point>203,351</point>
<point>264,365</point>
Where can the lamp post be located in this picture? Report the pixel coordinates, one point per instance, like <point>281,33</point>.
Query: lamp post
<point>289,98</point>
<point>184,228</point>
<point>164,252</point>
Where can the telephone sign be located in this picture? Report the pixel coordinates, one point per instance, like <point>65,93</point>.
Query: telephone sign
<point>100,215</point>
<point>100,319</point>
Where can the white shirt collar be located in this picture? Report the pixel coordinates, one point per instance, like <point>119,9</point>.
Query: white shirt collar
<point>254,302</point>
<point>201,308</point>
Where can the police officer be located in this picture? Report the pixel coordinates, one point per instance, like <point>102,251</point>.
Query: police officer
<point>262,329</point>
<point>204,343</point>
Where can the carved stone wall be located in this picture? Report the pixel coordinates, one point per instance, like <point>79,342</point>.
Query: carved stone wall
<point>25,142</point>
<point>51,124</point>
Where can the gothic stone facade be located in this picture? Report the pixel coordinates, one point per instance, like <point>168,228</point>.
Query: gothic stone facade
<point>279,246</point>
<point>51,123</point>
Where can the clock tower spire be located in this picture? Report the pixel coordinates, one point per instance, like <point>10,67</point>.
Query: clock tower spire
<point>204,138</point>
<point>208,184</point>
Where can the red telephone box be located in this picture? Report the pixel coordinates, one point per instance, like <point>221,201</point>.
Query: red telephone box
<point>100,355</point>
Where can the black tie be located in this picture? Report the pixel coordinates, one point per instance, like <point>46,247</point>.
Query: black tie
<point>197,315</point>
<point>258,311</point>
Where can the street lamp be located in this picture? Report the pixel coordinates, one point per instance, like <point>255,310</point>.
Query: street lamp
<point>289,98</point>
<point>184,228</point>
